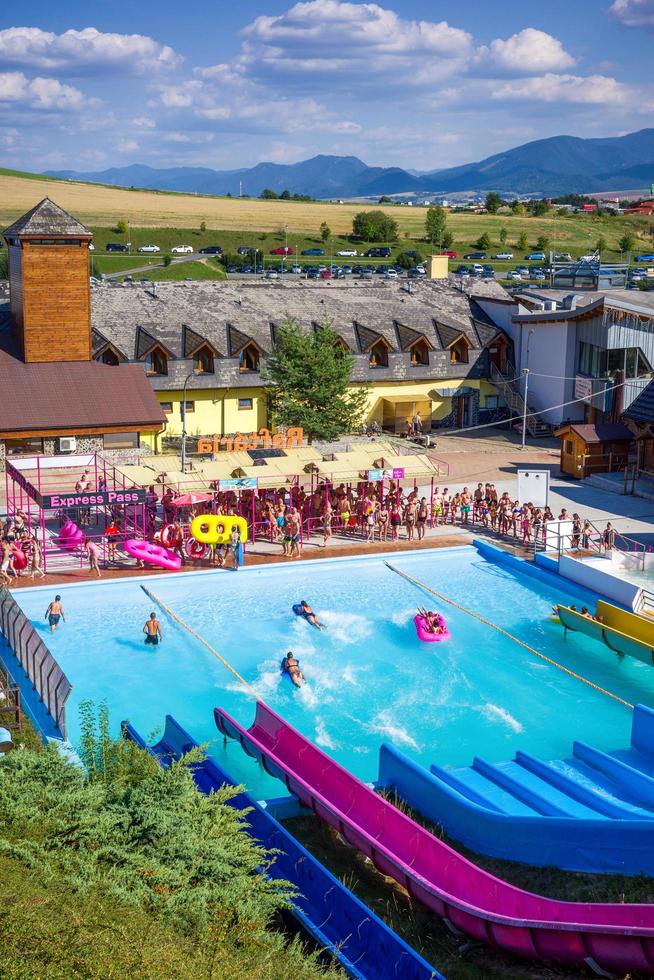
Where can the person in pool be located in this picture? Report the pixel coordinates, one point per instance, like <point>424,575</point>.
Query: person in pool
<point>291,666</point>
<point>152,630</point>
<point>310,615</point>
<point>434,622</point>
<point>54,613</point>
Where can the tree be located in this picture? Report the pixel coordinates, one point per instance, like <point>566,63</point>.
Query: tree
<point>483,242</point>
<point>518,208</point>
<point>493,202</point>
<point>167,260</point>
<point>325,231</point>
<point>122,227</point>
<point>601,244</point>
<point>407,261</point>
<point>539,208</point>
<point>385,199</point>
<point>374,226</point>
<point>203,226</point>
<point>503,235</point>
<point>542,243</point>
<point>268,195</point>
<point>628,242</point>
<point>447,241</point>
<point>309,377</point>
<point>435,224</point>
<point>285,195</point>
<point>523,241</point>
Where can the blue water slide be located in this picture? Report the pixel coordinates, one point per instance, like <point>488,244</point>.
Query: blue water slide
<point>361,942</point>
<point>591,812</point>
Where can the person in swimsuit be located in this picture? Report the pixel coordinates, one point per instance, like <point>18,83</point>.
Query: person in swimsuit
<point>291,666</point>
<point>54,613</point>
<point>152,630</point>
<point>421,518</point>
<point>326,523</point>
<point>37,558</point>
<point>112,532</point>
<point>433,622</point>
<point>6,566</point>
<point>410,519</point>
<point>465,505</point>
<point>310,615</point>
<point>382,522</point>
<point>235,544</point>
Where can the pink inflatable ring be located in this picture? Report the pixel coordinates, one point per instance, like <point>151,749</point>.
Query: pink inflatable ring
<point>426,635</point>
<point>153,554</point>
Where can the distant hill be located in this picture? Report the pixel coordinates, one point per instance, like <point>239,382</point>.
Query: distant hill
<point>557,165</point>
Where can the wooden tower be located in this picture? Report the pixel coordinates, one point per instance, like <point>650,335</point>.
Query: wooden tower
<point>49,284</point>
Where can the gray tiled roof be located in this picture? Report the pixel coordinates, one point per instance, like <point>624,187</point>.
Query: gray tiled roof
<point>229,314</point>
<point>47,218</point>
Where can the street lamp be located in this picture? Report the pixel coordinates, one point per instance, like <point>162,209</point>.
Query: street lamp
<point>525,371</point>
<point>186,381</point>
<point>256,252</point>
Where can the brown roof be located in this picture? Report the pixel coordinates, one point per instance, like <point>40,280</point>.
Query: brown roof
<point>602,432</point>
<point>47,218</point>
<point>71,395</point>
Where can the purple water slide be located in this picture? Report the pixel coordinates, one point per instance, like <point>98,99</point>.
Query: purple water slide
<point>612,937</point>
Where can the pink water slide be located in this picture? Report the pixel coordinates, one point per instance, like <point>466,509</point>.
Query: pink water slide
<point>611,937</point>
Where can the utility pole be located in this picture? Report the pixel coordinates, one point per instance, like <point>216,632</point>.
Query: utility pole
<point>186,381</point>
<point>524,409</point>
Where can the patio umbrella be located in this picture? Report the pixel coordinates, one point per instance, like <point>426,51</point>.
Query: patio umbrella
<point>190,499</point>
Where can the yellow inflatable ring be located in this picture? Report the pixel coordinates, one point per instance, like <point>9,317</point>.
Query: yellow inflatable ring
<point>216,529</point>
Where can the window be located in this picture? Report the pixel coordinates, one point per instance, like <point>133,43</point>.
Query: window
<point>599,363</point>
<point>459,352</point>
<point>569,447</point>
<point>121,440</point>
<point>188,406</point>
<point>379,354</point>
<point>249,358</point>
<point>156,362</point>
<point>244,404</point>
<point>203,361</point>
<point>492,402</point>
<point>419,352</point>
<point>340,345</point>
<point>167,407</point>
<point>109,356</point>
<point>23,447</point>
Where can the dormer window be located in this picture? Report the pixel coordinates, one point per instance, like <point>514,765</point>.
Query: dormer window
<point>459,351</point>
<point>379,354</point>
<point>203,360</point>
<point>340,345</point>
<point>249,358</point>
<point>156,362</point>
<point>419,352</point>
<point>108,356</point>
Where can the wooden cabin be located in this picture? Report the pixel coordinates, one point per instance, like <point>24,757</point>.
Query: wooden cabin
<point>586,449</point>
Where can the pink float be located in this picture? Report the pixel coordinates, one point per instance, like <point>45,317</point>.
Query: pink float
<point>71,536</point>
<point>425,634</point>
<point>153,554</point>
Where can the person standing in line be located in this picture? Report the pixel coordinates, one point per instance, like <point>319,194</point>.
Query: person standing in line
<point>235,545</point>
<point>421,518</point>
<point>54,613</point>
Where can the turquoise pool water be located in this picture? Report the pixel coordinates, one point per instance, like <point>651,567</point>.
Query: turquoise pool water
<point>369,679</point>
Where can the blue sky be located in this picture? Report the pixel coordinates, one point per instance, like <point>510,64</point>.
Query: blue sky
<point>408,83</point>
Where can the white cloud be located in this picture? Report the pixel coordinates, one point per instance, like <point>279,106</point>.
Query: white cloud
<point>528,52</point>
<point>38,93</point>
<point>127,146</point>
<point>88,51</point>
<point>634,13</point>
<point>349,39</point>
<point>592,89</point>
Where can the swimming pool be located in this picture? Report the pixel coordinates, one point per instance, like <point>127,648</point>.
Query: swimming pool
<point>368,677</point>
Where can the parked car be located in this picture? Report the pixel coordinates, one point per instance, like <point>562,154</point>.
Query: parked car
<point>243,250</point>
<point>450,255</point>
<point>272,274</point>
<point>247,269</point>
<point>644,257</point>
<point>313,251</point>
<point>326,274</point>
<point>381,269</point>
<point>313,273</point>
<point>182,249</point>
<point>539,276</point>
<point>476,268</point>
<point>514,275</point>
<point>283,250</point>
<point>347,270</point>
<point>348,252</point>
<point>391,274</point>
<point>296,268</point>
<point>212,250</point>
<point>489,270</point>
<point>232,268</point>
<point>149,248</point>
<point>503,256</point>
<point>365,274</point>
<point>413,273</point>
<point>384,252</point>
<point>562,257</point>
<point>535,257</point>
<point>117,247</point>
<point>421,270</point>
<point>522,269</point>
<point>475,255</point>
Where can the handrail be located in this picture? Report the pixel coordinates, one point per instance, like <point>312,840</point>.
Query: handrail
<point>47,677</point>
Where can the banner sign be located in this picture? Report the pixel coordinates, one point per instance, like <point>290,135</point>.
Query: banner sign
<point>93,498</point>
<point>376,476</point>
<point>242,483</point>
<point>293,438</point>
<point>583,388</point>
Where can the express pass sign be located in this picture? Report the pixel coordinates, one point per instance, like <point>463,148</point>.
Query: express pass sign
<point>95,498</point>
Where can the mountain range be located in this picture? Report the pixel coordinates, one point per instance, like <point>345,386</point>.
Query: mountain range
<point>556,165</point>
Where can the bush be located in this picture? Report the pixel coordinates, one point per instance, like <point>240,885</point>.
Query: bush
<point>167,260</point>
<point>523,242</point>
<point>374,226</point>
<point>483,242</point>
<point>122,227</point>
<point>407,261</point>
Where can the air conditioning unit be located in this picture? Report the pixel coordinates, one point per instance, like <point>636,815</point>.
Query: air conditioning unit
<point>67,444</point>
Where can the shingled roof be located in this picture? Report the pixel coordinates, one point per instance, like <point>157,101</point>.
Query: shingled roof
<point>407,337</point>
<point>47,218</point>
<point>642,407</point>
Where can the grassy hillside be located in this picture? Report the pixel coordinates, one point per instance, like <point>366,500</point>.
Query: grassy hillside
<point>100,207</point>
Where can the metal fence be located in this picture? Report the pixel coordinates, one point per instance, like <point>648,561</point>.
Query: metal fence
<point>49,680</point>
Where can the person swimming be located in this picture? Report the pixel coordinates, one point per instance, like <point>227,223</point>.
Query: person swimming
<point>291,666</point>
<point>310,615</point>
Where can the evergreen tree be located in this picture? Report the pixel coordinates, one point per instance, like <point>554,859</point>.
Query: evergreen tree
<point>325,232</point>
<point>493,202</point>
<point>436,225</point>
<point>601,244</point>
<point>483,242</point>
<point>503,235</point>
<point>542,243</point>
<point>309,378</point>
<point>628,242</point>
<point>523,241</point>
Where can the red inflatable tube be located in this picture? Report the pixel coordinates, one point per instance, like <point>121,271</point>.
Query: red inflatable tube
<point>195,549</point>
<point>170,536</point>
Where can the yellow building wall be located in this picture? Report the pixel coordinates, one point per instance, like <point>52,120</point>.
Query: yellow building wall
<point>421,391</point>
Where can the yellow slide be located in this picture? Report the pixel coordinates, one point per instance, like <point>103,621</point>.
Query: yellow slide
<point>623,632</point>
